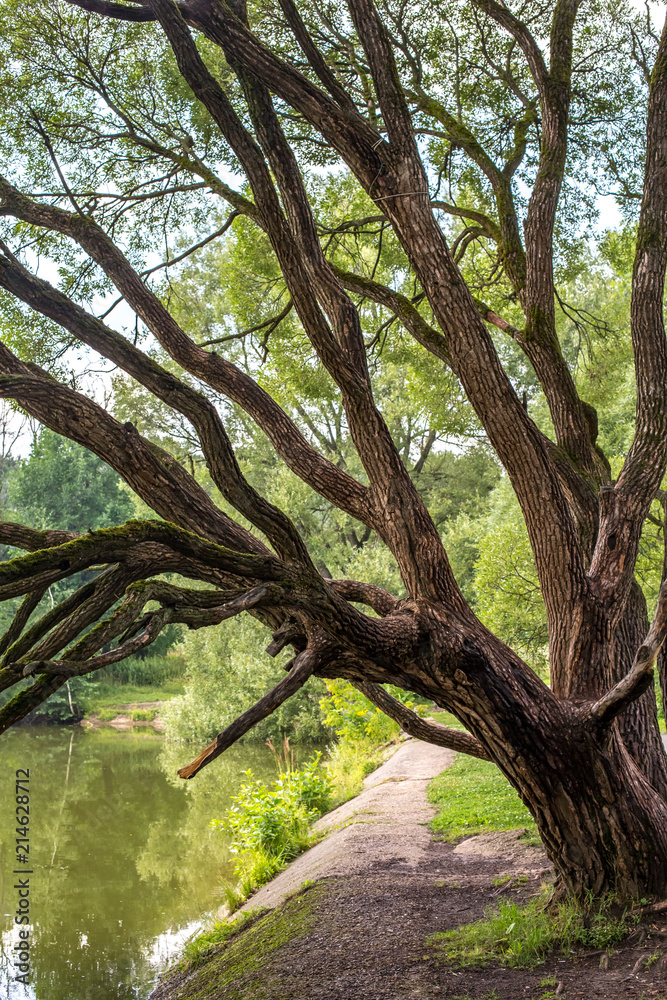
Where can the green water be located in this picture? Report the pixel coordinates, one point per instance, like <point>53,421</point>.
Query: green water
<point>123,861</point>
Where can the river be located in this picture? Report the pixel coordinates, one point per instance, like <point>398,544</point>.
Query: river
<point>122,864</point>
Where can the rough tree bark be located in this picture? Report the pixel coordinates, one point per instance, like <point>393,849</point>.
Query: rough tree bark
<point>585,754</point>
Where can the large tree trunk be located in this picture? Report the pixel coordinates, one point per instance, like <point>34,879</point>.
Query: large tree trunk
<point>604,826</point>
<point>595,791</point>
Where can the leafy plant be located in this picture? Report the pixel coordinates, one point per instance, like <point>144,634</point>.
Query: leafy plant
<point>107,714</point>
<point>269,825</point>
<point>523,936</point>
<point>144,714</point>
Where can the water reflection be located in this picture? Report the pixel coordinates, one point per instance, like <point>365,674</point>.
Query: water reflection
<point>124,861</point>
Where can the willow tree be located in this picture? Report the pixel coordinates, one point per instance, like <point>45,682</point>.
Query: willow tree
<point>114,112</point>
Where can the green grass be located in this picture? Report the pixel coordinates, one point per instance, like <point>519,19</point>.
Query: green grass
<point>143,714</point>
<point>199,948</point>
<point>472,797</point>
<point>523,936</point>
<point>239,969</point>
<point>103,696</point>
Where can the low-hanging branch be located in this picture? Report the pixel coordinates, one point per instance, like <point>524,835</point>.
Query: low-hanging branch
<point>411,723</point>
<point>304,665</point>
<point>25,573</point>
<point>73,668</point>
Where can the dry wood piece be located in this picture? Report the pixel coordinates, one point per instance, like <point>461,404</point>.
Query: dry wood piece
<point>304,665</point>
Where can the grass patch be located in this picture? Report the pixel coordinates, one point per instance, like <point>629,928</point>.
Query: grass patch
<point>474,797</point>
<point>244,959</point>
<point>107,714</point>
<point>100,696</point>
<point>143,714</point>
<point>522,936</point>
<point>199,948</point>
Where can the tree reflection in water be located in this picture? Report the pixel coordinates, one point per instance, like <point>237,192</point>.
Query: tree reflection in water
<point>124,861</point>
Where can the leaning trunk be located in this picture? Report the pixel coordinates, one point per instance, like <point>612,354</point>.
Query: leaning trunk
<point>603,825</point>
<point>602,820</point>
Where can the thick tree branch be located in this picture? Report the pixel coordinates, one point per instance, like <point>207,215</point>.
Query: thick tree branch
<point>382,602</point>
<point>640,676</point>
<point>411,723</point>
<point>20,619</point>
<point>153,475</point>
<point>216,446</point>
<point>107,545</point>
<point>624,509</point>
<point>78,668</point>
<point>322,475</point>
<point>315,57</point>
<point>413,540</point>
<point>118,11</point>
<point>304,665</point>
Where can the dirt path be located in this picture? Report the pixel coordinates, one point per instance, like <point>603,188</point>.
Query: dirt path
<point>377,887</point>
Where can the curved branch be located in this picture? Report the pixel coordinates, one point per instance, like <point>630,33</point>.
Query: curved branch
<point>381,601</point>
<point>315,57</point>
<point>150,472</point>
<point>117,11</point>
<point>411,723</point>
<point>77,668</point>
<point>22,537</point>
<point>490,227</point>
<point>626,507</point>
<point>322,475</point>
<point>401,306</point>
<point>20,619</point>
<point>43,567</point>
<point>640,676</point>
<point>217,448</point>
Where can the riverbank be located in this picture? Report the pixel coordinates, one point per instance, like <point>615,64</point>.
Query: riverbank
<point>126,716</point>
<point>352,916</point>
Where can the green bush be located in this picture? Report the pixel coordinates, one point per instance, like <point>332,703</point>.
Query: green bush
<point>144,714</point>
<point>269,825</point>
<point>362,734</point>
<point>107,714</point>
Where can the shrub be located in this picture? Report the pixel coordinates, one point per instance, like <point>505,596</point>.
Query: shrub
<point>362,732</point>
<point>107,714</point>
<point>144,714</point>
<point>269,825</point>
